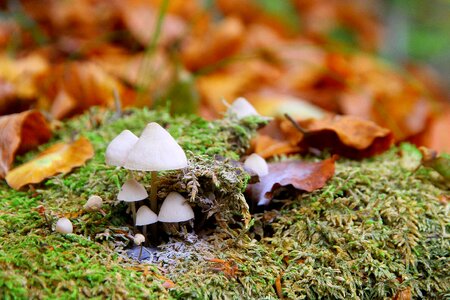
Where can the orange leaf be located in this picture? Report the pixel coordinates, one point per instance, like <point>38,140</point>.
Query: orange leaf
<point>278,287</point>
<point>305,176</point>
<point>347,135</point>
<point>20,133</point>
<point>59,158</point>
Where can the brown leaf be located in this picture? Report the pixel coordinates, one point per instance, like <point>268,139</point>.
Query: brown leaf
<point>272,140</point>
<point>221,41</point>
<point>304,176</point>
<point>20,133</point>
<point>347,135</point>
<point>76,86</point>
<point>59,158</point>
<point>403,294</point>
<point>140,17</point>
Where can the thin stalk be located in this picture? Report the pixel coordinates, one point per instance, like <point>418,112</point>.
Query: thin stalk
<point>140,252</point>
<point>133,211</point>
<point>154,205</point>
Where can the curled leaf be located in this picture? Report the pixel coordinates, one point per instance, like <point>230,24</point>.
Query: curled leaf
<point>304,176</point>
<point>59,158</point>
<point>347,135</point>
<point>20,133</point>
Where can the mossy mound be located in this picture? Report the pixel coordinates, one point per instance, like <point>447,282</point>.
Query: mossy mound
<point>375,230</point>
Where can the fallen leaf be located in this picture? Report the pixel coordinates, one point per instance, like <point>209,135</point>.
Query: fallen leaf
<point>220,42</point>
<point>278,286</point>
<point>435,136</point>
<point>272,140</point>
<point>76,86</point>
<point>141,17</point>
<point>403,294</point>
<point>304,176</point>
<point>20,133</point>
<point>346,135</point>
<point>440,164</point>
<point>59,158</point>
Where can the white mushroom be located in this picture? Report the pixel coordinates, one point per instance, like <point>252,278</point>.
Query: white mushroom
<point>175,209</point>
<point>131,192</point>
<point>64,225</point>
<point>241,108</point>
<point>118,149</point>
<point>94,203</point>
<point>156,150</point>
<point>139,240</point>
<point>257,164</point>
<point>144,217</point>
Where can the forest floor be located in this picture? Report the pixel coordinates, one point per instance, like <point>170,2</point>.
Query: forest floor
<point>377,230</point>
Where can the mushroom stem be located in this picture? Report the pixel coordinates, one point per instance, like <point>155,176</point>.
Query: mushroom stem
<point>140,252</point>
<point>144,232</point>
<point>154,205</point>
<point>154,192</point>
<point>133,211</point>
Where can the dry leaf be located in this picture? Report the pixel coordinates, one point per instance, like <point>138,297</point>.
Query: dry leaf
<point>304,176</point>
<point>221,41</point>
<point>74,87</point>
<point>347,135</point>
<point>272,140</point>
<point>59,158</point>
<point>20,133</point>
<point>141,16</point>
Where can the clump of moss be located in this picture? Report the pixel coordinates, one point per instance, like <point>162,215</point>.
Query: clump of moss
<point>374,230</point>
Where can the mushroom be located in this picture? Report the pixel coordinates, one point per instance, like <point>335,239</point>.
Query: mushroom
<point>257,164</point>
<point>139,240</point>
<point>94,203</point>
<point>144,217</point>
<point>241,108</point>
<point>131,192</point>
<point>156,150</point>
<point>118,149</point>
<point>64,225</point>
<point>175,209</point>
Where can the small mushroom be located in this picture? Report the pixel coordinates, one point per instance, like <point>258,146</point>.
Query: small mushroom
<point>175,209</point>
<point>94,203</point>
<point>131,192</point>
<point>257,164</point>
<point>145,216</point>
<point>118,149</point>
<point>139,240</point>
<point>241,108</point>
<point>63,225</point>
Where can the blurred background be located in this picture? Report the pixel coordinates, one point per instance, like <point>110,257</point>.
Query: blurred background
<point>387,61</point>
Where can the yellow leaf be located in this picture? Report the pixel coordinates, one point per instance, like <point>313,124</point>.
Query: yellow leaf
<point>59,158</point>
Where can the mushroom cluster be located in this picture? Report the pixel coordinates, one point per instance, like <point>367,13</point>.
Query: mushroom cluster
<point>155,150</point>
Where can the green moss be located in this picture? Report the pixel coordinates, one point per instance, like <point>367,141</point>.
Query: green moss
<point>374,230</point>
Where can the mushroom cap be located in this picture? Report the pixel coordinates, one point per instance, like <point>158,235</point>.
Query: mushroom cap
<point>156,150</point>
<point>132,191</point>
<point>257,164</point>
<point>175,209</point>
<point>64,225</point>
<point>118,149</point>
<point>145,216</point>
<point>139,239</point>
<point>94,203</point>
<point>242,108</point>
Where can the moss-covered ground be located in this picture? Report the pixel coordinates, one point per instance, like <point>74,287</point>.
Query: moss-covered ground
<point>376,230</point>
